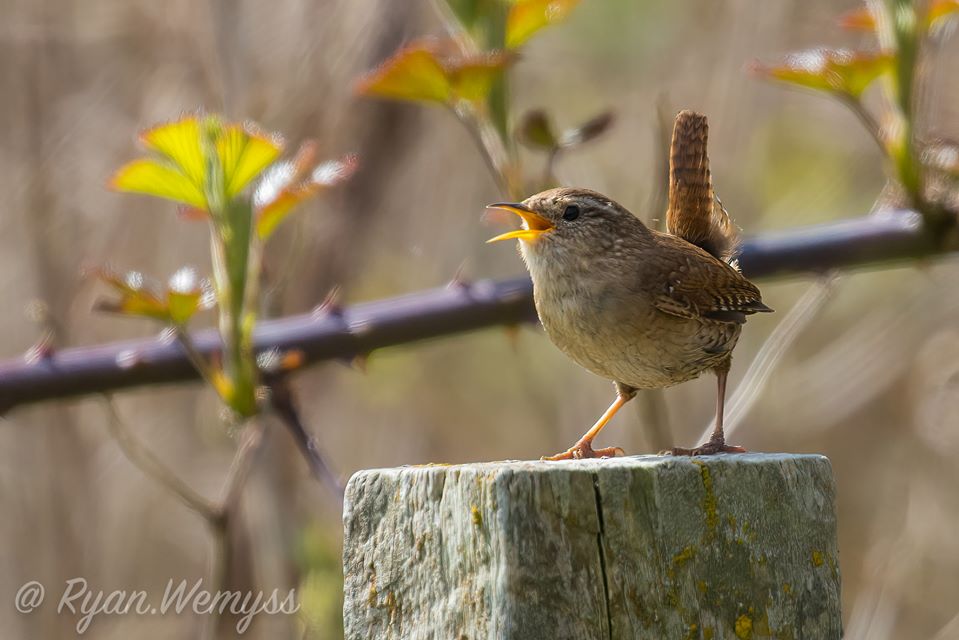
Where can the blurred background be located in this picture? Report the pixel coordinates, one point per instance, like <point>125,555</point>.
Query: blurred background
<point>872,382</point>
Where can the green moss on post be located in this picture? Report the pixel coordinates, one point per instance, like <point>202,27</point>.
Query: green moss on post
<point>737,546</point>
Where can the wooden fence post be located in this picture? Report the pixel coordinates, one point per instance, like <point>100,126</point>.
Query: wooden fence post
<point>724,547</point>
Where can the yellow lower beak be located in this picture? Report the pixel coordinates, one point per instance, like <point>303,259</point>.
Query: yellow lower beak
<point>537,224</point>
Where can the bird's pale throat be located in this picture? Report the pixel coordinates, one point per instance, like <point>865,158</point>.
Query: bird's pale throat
<point>536,224</point>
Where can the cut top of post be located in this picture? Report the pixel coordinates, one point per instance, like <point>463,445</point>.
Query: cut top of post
<point>729,546</point>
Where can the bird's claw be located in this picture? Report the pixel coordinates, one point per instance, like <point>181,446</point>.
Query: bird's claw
<point>710,448</point>
<point>583,450</point>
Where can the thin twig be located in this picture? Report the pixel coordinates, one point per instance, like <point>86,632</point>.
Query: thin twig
<point>282,402</point>
<point>772,351</point>
<point>251,441</point>
<point>151,466</point>
<point>488,144</point>
<point>867,120</point>
<point>219,517</point>
<point>222,525</point>
<point>196,358</point>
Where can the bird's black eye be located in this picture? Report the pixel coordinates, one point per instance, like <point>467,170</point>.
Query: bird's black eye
<point>571,213</point>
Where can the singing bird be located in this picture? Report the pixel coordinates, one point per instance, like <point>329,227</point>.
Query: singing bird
<point>642,308</point>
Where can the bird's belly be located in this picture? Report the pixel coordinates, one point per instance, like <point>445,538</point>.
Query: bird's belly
<point>638,346</point>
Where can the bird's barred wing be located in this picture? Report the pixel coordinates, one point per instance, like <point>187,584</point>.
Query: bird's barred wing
<point>692,284</point>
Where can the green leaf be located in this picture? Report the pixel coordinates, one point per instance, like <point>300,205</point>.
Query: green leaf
<point>180,142</point>
<point>472,78</point>
<point>836,71</point>
<point>137,296</point>
<point>290,183</point>
<point>185,295</point>
<point>158,178</point>
<point>535,130</point>
<point>526,17</point>
<point>198,163</point>
<point>434,71</point>
<point>270,216</point>
<point>244,154</point>
<point>413,73</point>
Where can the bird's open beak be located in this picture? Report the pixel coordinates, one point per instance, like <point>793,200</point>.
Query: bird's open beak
<point>537,224</point>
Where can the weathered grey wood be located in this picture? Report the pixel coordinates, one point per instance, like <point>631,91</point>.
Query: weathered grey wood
<point>732,546</point>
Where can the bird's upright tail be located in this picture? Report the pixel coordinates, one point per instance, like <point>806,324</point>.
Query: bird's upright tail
<point>695,214</point>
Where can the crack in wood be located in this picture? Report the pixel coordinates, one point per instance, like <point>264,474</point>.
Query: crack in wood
<point>600,539</point>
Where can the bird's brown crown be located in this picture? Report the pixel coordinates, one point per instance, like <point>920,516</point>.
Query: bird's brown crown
<point>581,216</point>
<point>574,227</point>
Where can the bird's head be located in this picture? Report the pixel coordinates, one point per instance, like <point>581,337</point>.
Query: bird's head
<point>568,219</point>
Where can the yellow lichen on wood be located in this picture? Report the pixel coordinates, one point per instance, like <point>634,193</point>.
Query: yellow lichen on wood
<point>709,498</point>
<point>817,559</point>
<point>687,553</point>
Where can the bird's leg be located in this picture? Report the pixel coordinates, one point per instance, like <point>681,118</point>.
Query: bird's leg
<point>584,446</point>
<point>717,441</point>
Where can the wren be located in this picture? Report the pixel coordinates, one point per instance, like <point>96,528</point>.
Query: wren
<point>637,306</point>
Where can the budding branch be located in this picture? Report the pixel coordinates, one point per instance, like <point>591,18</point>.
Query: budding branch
<point>332,333</point>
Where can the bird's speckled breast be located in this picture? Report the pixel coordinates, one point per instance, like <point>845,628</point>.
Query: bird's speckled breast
<point>617,333</point>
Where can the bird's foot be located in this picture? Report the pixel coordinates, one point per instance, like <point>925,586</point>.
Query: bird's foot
<point>583,449</point>
<point>711,448</point>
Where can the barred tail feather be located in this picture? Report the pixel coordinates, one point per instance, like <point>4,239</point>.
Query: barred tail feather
<point>695,214</point>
